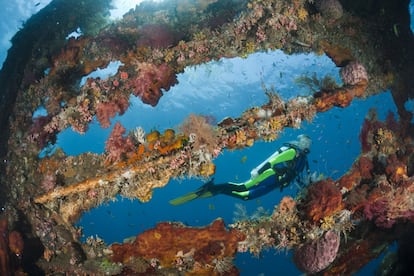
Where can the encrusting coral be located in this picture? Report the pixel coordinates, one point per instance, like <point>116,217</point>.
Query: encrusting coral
<point>197,251</point>
<point>96,190</point>
<point>332,9</point>
<point>11,249</point>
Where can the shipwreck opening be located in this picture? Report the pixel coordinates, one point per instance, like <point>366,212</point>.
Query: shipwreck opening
<point>217,90</point>
<point>332,139</point>
<point>173,113</point>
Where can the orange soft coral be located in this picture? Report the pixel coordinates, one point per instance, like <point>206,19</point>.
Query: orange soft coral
<point>287,205</point>
<point>323,199</point>
<point>341,97</point>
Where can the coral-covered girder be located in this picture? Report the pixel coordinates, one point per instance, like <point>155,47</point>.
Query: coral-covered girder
<point>171,244</point>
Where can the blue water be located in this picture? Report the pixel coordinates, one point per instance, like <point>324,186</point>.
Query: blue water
<point>411,8</point>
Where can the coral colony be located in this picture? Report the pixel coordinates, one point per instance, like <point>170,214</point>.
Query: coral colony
<point>332,226</point>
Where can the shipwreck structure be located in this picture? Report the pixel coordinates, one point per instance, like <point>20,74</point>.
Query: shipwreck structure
<point>42,197</point>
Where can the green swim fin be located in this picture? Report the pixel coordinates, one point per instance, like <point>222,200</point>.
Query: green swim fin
<point>183,199</point>
<point>202,192</point>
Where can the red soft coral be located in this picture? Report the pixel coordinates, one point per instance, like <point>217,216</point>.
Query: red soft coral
<point>151,79</point>
<point>118,146</point>
<point>369,126</point>
<point>365,167</point>
<point>156,36</point>
<point>107,110</point>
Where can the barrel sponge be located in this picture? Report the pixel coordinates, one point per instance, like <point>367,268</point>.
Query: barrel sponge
<point>318,254</point>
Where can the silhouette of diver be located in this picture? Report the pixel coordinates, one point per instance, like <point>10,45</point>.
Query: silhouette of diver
<point>277,171</point>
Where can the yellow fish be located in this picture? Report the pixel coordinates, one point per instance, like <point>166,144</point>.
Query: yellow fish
<point>243,159</point>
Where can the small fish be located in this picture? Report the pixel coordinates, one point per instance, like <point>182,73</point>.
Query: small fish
<point>315,177</point>
<point>110,214</point>
<point>334,172</point>
<point>37,4</point>
<point>129,239</point>
<point>211,207</point>
<point>243,159</point>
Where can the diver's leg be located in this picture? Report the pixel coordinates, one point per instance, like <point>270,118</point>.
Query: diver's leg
<point>210,189</point>
<point>257,187</point>
<point>237,190</point>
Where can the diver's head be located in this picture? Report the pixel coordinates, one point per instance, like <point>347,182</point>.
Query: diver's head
<point>303,142</point>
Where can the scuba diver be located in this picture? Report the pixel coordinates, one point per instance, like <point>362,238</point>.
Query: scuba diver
<point>278,171</point>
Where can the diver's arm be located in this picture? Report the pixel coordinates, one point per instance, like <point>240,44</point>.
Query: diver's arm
<point>266,164</point>
<point>258,179</point>
<point>282,155</point>
<point>287,155</point>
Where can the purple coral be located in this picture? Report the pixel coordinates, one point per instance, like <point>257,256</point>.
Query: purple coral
<point>48,182</point>
<point>151,80</point>
<point>331,9</point>
<point>156,36</point>
<point>378,211</point>
<point>353,73</point>
<point>107,110</point>
<point>317,255</point>
<point>117,145</point>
